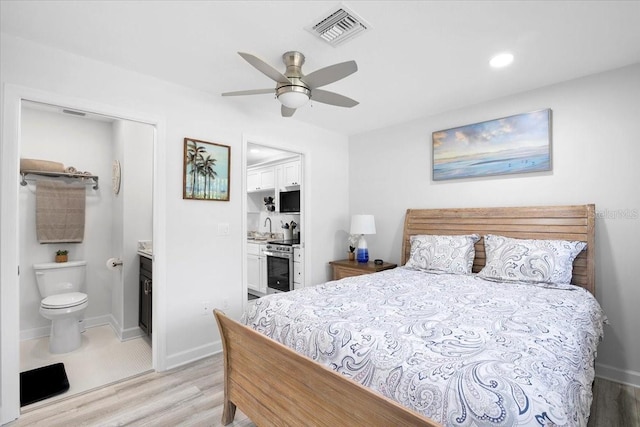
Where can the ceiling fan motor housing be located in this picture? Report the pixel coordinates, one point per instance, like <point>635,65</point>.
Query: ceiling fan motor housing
<point>293,60</point>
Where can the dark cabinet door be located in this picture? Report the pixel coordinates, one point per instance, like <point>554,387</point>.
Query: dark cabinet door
<point>146,289</point>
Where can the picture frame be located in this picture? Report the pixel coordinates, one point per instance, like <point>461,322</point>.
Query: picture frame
<point>206,170</point>
<point>509,145</point>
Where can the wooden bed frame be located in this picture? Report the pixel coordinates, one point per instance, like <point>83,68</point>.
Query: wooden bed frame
<point>274,385</point>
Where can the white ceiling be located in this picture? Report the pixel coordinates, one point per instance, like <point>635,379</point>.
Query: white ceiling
<point>420,58</point>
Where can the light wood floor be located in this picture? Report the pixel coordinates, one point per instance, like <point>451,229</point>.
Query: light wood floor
<point>192,396</point>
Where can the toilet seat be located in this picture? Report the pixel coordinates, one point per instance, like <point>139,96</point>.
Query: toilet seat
<point>67,300</point>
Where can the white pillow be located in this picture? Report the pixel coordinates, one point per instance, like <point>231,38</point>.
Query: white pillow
<point>529,260</point>
<point>442,254</point>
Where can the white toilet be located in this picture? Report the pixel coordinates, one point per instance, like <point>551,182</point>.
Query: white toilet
<point>62,303</point>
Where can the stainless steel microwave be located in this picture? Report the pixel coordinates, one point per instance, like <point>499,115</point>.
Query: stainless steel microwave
<point>290,201</point>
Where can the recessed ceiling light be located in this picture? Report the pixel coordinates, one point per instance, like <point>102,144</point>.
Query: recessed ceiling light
<point>501,60</point>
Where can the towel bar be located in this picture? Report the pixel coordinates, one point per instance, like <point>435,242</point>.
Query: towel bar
<point>58,175</point>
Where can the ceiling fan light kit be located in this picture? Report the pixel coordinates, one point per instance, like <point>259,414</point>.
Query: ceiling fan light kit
<point>293,96</point>
<point>294,89</point>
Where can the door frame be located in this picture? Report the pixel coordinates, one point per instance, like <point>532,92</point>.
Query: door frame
<point>9,231</point>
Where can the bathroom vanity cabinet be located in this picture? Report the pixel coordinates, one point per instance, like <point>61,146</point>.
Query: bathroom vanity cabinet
<point>144,317</point>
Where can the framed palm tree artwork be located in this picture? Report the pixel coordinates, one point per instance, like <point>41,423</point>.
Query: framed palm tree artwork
<point>206,170</point>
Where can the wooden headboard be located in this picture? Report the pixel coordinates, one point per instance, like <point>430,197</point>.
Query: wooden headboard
<point>538,222</point>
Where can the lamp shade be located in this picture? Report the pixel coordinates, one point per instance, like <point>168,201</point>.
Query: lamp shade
<point>363,224</point>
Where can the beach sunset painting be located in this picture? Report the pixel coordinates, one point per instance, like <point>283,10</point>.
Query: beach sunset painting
<point>514,144</point>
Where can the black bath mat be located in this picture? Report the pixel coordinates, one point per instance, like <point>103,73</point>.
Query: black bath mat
<point>42,383</point>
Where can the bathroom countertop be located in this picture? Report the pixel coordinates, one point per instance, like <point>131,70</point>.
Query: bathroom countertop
<point>146,254</point>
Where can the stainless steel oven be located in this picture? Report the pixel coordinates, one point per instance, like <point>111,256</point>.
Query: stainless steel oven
<point>279,267</point>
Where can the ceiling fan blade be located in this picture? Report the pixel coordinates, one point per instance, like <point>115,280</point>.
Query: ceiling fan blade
<point>264,68</point>
<point>332,98</point>
<point>330,74</point>
<point>287,112</point>
<point>249,92</point>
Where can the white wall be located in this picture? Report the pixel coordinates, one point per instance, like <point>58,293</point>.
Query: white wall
<point>137,189</point>
<point>83,144</point>
<point>133,220</point>
<point>200,265</point>
<point>116,277</point>
<point>595,160</point>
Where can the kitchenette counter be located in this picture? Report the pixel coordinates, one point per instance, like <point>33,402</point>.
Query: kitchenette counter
<point>258,237</point>
<point>259,241</point>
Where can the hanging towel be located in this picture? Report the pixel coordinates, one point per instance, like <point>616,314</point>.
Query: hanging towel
<point>60,211</point>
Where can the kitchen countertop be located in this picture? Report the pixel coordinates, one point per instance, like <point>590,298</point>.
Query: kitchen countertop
<point>260,240</point>
<point>262,237</point>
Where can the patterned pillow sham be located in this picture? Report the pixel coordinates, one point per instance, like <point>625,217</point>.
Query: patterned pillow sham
<point>529,261</point>
<point>442,254</point>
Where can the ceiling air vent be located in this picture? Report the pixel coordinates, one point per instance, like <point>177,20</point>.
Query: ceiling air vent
<point>338,26</point>
<point>74,113</point>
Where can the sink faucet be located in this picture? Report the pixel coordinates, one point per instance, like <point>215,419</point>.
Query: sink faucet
<point>265,223</point>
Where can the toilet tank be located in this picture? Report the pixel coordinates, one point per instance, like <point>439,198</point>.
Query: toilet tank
<point>60,277</point>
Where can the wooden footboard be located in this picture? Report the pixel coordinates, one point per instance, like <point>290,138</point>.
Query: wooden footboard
<point>274,385</point>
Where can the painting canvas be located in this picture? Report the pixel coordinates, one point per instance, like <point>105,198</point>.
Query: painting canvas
<point>206,170</point>
<point>514,144</point>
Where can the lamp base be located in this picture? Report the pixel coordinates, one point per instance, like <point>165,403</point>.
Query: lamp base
<point>363,255</point>
<point>362,252</point>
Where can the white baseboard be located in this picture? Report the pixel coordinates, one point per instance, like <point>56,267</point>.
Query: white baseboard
<point>91,322</point>
<point>622,376</point>
<point>182,358</point>
<point>125,334</point>
<point>45,331</point>
<point>131,333</point>
<point>30,334</point>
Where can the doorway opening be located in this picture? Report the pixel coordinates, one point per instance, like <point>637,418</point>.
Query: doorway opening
<point>17,101</point>
<point>274,215</point>
<point>118,217</point>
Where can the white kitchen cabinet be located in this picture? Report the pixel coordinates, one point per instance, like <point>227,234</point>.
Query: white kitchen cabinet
<point>291,174</point>
<point>261,179</point>
<point>256,268</point>
<point>253,272</point>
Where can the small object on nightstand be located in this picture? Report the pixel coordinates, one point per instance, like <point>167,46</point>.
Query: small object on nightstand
<point>378,262</point>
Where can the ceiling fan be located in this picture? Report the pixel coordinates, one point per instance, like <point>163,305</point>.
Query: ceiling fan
<point>293,89</point>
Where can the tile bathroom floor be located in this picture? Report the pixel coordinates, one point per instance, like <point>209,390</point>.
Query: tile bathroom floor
<point>102,359</point>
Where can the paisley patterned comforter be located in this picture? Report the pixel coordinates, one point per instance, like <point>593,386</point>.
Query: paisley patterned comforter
<point>460,350</point>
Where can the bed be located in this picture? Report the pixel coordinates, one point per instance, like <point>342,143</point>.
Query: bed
<point>459,345</point>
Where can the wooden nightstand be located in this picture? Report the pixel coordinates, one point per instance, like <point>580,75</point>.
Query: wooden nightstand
<point>345,268</point>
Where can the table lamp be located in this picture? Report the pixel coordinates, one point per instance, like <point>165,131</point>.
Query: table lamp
<point>362,224</point>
